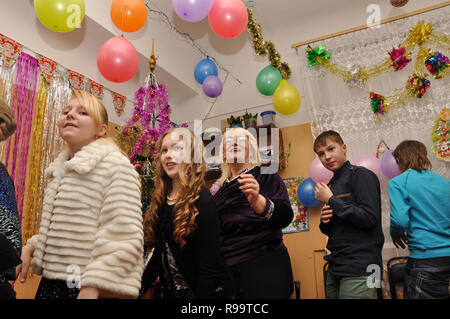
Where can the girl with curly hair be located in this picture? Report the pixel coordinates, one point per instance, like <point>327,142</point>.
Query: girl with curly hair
<point>182,224</point>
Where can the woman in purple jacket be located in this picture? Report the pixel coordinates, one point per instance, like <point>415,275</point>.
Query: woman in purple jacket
<point>253,207</point>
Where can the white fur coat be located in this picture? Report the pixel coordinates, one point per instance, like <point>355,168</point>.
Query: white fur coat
<point>91,226</point>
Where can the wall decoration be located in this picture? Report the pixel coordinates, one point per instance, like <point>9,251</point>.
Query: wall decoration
<point>76,80</point>
<point>47,67</point>
<point>416,86</point>
<point>300,222</point>
<point>119,103</point>
<point>96,89</point>
<point>440,138</point>
<point>10,50</point>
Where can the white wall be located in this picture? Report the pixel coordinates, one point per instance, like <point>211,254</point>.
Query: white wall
<point>77,50</point>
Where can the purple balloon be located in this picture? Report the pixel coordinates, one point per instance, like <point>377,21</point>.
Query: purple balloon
<point>192,10</point>
<point>389,165</point>
<point>212,86</point>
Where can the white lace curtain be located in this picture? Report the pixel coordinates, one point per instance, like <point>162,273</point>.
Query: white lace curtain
<point>332,104</point>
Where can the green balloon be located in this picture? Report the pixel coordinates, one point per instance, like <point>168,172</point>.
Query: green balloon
<point>268,80</point>
<point>60,15</point>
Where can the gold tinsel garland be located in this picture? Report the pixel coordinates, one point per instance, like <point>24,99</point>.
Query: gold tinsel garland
<point>420,35</point>
<point>29,222</point>
<point>264,48</point>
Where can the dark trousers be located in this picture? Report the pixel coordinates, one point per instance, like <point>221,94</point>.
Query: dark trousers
<point>427,278</point>
<point>267,276</point>
<point>7,291</point>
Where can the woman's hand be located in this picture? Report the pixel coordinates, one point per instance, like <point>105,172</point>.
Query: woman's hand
<point>401,241</point>
<point>27,253</point>
<point>250,188</point>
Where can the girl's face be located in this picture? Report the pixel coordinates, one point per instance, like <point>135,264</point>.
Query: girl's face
<point>76,127</point>
<point>172,150</point>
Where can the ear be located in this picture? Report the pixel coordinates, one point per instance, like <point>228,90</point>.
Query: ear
<point>344,147</point>
<point>103,128</point>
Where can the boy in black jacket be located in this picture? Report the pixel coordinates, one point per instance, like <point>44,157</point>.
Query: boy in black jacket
<point>351,218</point>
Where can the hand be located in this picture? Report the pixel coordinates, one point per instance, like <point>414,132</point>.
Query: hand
<point>250,188</point>
<point>401,241</point>
<point>325,214</point>
<point>322,192</point>
<point>88,293</point>
<point>27,252</point>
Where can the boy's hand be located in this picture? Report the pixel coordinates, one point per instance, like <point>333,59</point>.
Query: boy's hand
<point>325,214</point>
<point>400,242</point>
<point>322,192</point>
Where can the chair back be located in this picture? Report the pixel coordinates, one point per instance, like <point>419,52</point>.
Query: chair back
<point>396,273</point>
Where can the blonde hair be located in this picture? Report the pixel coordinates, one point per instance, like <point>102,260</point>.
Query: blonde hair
<point>97,111</point>
<point>191,175</point>
<point>254,157</point>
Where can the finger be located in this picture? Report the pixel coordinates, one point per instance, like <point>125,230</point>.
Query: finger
<point>23,272</point>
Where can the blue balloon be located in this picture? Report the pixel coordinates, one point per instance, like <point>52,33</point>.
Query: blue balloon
<point>305,193</point>
<point>205,68</point>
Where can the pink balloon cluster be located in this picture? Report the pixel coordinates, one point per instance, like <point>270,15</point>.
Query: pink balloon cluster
<point>387,165</point>
<point>227,18</point>
<point>117,59</point>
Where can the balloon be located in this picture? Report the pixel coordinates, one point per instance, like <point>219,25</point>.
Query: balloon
<point>305,193</point>
<point>389,165</point>
<point>228,18</point>
<point>286,98</point>
<point>205,68</point>
<point>212,86</point>
<point>268,80</point>
<point>192,10</point>
<point>129,15</point>
<point>60,15</point>
<point>318,172</point>
<point>118,60</point>
<point>369,161</point>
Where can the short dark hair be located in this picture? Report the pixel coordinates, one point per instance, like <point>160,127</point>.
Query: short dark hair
<point>411,154</point>
<point>322,139</point>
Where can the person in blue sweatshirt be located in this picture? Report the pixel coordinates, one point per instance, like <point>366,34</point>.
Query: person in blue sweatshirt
<point>420,219</point>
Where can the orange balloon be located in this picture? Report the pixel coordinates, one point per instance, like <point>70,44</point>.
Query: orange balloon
<point>129,15</point>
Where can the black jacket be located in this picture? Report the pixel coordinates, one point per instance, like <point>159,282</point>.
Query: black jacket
<point>199,261</point>
<point>355,234</point>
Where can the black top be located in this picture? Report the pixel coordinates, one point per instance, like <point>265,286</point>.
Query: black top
<point>354,231</point>
<point>10,233</point>
<point>244,234</point>
<point>197,270</point>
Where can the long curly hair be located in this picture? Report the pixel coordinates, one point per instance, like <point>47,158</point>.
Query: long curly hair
<point>191,174</point>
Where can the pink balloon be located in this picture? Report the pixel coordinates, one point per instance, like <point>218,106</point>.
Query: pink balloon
<point>228,18</point>
<point>369,161</point>
<point>118,60</point>
<point>318,172</point>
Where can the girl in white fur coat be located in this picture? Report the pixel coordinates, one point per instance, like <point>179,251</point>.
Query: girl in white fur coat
<point>90,240</point>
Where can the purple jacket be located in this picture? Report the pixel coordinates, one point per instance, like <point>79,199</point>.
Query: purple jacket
<point>243,233</point>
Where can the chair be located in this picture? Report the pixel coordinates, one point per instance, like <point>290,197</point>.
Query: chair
<point>396,273</point>
<point>325,270</point>
<point>297,289</point>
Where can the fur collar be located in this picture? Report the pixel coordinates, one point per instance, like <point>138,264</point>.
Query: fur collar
<point>84,160</point>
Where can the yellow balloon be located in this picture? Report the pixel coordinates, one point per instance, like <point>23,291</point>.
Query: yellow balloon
<point>286,98</point>
<point>60,15</point>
